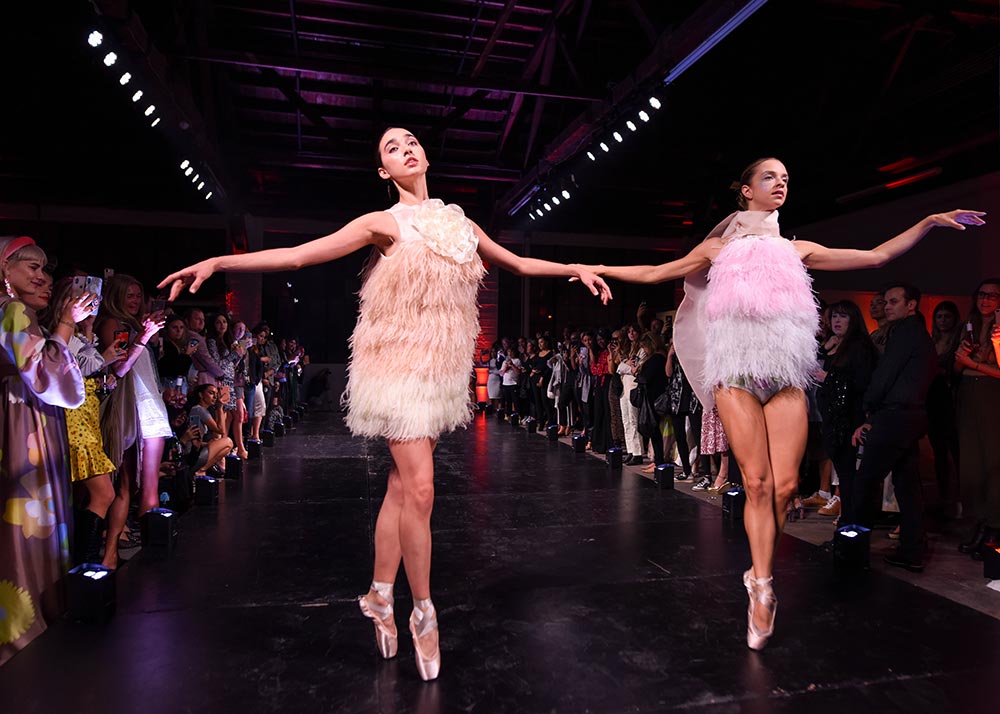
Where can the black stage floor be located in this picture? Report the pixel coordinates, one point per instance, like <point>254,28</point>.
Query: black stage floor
<point>560,587</point>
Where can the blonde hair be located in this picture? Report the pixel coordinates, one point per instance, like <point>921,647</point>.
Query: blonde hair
<point>113,304</point>
<point>27,252</point>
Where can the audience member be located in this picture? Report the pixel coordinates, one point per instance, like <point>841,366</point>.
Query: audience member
<point>896,404</point>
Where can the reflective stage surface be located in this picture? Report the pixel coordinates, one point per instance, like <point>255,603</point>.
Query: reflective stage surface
<point>561,586</point>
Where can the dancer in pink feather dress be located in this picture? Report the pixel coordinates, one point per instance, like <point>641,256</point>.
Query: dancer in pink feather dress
<point>421,285</point>
<point>745,335</point>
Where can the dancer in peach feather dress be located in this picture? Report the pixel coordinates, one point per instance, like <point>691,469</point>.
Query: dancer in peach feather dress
<point>422,284</point>
<point>745,337</point>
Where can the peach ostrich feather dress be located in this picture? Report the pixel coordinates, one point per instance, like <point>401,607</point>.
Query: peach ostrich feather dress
<point>412,350</point>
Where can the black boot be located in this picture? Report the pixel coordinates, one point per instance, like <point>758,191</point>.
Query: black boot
<point>89,531</point>
<point>991,537</point>
<point>976,541</point>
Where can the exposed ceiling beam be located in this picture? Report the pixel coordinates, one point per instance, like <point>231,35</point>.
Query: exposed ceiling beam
<point>494,36</point>
<point>367,71</point>
<point>671,48</point>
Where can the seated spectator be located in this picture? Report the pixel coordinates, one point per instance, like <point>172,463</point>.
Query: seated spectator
<point>215,445</point>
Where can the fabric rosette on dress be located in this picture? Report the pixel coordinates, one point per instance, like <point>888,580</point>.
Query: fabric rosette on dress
<point>413,347</point>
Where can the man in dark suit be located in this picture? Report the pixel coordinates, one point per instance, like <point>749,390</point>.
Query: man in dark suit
<point>896,404</point>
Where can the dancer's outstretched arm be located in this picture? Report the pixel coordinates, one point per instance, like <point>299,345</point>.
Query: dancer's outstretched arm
<point>698,259</point>
<point>376,228</point>
<point>819,257</point>
<point>495,253</point>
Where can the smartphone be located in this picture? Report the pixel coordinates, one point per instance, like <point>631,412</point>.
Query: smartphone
<point>158,305</point>
<point>194,420</point>
<point>109,273</point>
<point>193,343</point>
<point>182,385</point>
<point>121,337</point>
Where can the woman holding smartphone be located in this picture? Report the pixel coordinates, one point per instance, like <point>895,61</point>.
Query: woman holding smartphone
<point>134,420</point>
<point>745,336</point>
<point>979,420</point>
<point>423,280</point>
<point>215,445</point>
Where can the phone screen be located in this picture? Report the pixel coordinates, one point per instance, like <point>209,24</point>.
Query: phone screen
<point>194,420</point>
<point>158,305</point>
<point>121,337</point>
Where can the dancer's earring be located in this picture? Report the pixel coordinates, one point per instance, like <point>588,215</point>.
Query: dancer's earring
<point>8,288</point>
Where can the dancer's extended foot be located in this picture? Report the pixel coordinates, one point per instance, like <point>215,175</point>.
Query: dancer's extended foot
<point>377,605</point>
<point>761,611</point>
<point>426,646</point>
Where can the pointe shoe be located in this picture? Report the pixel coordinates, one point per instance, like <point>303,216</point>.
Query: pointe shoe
<point>761,593</point>
<point>423,623</point>
<point>386,636</point>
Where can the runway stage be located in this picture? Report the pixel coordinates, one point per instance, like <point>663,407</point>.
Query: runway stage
<point>560,585</point>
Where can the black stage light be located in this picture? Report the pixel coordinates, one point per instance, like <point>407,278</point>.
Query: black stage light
<point>484,407</point>
<point>851,547</point>
<point>531,424</point>
<point>206,491</point>
<point>158,528</point>
<point>91,592</point>
<point>614,457</point>
<point>580,443</point>
<point>302,406</point>
<point>253,449</point>
<point>515,419</point>
<point>267,438</point>
<point>278,428</point>
<point>552,431</point>
<point>178,488</point>
<point>294,416</point>
<point>663,475</point>
<point>234,467</point>
<point>500,415</point>
<point>734,500</point>
<point>288,422</point>
<point>991,561</point>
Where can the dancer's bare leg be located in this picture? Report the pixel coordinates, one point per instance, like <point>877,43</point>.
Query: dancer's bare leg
<point>388,553</point>
<point>786,416</point>
<point>743,419</point>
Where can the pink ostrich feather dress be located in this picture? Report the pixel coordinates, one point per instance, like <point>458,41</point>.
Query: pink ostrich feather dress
<point>751,322</point>
<point>412,350</point>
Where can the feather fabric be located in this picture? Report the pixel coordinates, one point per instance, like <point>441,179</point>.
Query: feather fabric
<point>761,314</point>
<point>413,347</point>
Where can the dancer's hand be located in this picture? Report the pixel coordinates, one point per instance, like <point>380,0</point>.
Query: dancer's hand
<point>594,283</point>
<point>859,434</point>
<point>193,275</point>
<point>958,219</point>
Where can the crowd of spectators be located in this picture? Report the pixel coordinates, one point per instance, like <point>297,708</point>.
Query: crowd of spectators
<point>105,392</point>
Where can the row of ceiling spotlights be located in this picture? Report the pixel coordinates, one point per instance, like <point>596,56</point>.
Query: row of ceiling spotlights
<point>629,124</point>
<point>542,206</point>
<point>95,39</point>
<point>536,210</point>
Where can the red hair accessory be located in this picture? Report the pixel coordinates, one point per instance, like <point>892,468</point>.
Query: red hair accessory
<point>16,245</point>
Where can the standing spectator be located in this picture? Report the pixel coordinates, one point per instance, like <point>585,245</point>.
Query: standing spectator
<point>580,358</point>
<point>880,335</point>
<point>207,370</point>
<point>848,361</point>
<point>510,373</point>
<point>176,350</point>
<point>652,375</point>
<point>225,351</point>
<point>134,421</point>
<point>40,379</point>
<point>896,403</point>
<point>256,370</point>
<point>494,383</point>
<point>942,427</point>
<point>540,373</point>
<point>979,419</point>
<point>630,413</point>
<point>600,433</point>
<point>684,406</point>
<point>617,352</point>
<point>90,468</point>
